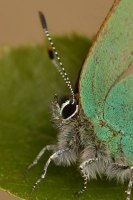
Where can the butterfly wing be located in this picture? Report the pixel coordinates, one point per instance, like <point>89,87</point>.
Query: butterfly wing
<point>106,86</point>
<point>110,56</point>
<point>118,113</point>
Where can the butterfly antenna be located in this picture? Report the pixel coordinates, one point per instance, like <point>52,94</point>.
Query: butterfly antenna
<point>54,54</point>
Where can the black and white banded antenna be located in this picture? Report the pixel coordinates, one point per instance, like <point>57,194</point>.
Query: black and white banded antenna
<point>53,54</point>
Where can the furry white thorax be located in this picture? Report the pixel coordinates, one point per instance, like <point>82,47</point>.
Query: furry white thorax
<point>77,144</point>
<point>93,157</point>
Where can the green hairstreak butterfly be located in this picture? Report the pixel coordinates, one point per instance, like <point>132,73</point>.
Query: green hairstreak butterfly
<point>96,124</point>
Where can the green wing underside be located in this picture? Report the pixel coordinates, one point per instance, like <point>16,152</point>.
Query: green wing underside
<point>118,113</point>
<point>103,96</point>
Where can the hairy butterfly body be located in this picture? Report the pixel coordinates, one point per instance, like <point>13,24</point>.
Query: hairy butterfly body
<point>96,125</point>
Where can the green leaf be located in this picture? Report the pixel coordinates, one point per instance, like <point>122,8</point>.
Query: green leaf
<point>28,82</point>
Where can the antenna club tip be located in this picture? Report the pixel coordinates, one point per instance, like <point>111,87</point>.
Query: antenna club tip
<point>43,20</point>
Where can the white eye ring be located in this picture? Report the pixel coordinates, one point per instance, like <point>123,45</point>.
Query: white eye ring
<point>64,105</point>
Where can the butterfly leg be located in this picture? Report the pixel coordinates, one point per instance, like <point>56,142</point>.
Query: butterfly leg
<point>117,166</point>
<point>52,157</point>
<point>130,184</point>
<point>84,174</point>
<point>35,161</point>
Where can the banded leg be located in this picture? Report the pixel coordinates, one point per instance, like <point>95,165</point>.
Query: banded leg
<point>52,157</point>
<point>84,174</point>
<point>85,180</point>
<point>130,184</point>
<point>35,161</point>
<point>120,166</point>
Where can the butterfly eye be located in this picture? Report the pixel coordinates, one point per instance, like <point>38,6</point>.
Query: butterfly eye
<point>69,109</point>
